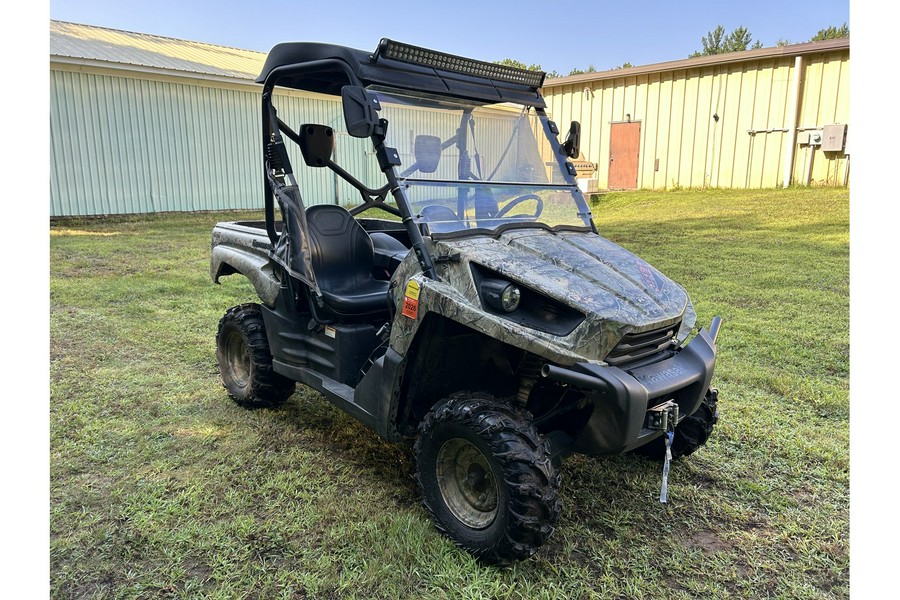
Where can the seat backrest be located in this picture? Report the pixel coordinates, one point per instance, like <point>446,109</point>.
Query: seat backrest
<point>486,207</point>
<point>341,250</point>
<point>441,219</point>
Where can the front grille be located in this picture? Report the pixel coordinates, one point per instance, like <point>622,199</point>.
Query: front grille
<point>636,346</point>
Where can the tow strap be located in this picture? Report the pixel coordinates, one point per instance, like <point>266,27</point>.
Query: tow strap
<point>664,492</point>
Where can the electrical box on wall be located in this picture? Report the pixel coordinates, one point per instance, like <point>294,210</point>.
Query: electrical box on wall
<point>833,137</point>
<point>809,138</point>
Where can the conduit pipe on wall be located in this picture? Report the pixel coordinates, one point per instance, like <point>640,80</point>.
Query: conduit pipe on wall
<point>807,173</point>
<point>792,127</point>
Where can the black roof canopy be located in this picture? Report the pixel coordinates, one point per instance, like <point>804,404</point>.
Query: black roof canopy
<point>403,66</point>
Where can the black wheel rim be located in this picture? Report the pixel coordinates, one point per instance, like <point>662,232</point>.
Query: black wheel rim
<point>467,483</point>
<point>237,359</point>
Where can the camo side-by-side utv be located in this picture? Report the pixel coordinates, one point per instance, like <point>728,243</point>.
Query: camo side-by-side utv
<point>465,298</point>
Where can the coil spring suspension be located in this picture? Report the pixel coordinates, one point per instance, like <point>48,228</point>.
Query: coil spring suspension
<point>529,371</point>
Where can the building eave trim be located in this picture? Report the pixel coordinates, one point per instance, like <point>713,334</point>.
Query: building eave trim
<point>148,70</point>
<point>790,51</point>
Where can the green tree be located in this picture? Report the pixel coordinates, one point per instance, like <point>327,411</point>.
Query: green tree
<point>624,65</point>
<point>718,42</point>
<point>832,33</point>
<point>590,69</point>
<point>510,62</point>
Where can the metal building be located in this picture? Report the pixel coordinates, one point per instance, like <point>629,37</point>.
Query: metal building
<point>756,119</point>
<point>142,123</point>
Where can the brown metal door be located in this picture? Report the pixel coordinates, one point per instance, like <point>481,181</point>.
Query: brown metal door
<point>624,148</point>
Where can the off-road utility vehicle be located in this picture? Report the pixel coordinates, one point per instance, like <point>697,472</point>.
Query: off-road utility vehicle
<point>465,299</point>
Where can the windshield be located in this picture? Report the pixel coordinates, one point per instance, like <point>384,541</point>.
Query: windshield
<point>469,166</point>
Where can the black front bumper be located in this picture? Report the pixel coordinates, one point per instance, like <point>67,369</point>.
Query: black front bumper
<point>621,397</point>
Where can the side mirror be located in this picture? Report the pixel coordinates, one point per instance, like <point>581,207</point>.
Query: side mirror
<point>427,149</point>
<point>316,144</point>
<point>572,145</point>
<point>360,111</point>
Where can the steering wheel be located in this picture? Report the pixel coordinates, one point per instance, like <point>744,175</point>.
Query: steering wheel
<point>519,200</point>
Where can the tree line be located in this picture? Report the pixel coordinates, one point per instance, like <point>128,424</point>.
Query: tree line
<point>716,41</point>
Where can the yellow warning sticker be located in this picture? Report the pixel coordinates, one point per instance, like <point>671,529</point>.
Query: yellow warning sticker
<point>412,289</point>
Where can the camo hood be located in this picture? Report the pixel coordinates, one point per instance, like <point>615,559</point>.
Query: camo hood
<point>617,292</point>
<point>584,271</point>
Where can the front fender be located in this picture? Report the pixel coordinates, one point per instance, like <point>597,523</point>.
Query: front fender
<point>443,299</point>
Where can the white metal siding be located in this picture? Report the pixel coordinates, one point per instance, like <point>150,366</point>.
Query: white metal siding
<point>122,145</point>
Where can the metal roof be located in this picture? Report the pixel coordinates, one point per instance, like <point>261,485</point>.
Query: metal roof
<point>99,46</point>
<point>705,61</point>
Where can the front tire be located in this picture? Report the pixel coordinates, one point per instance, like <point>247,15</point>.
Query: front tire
<point>245,362</point>
<point>487,477</point>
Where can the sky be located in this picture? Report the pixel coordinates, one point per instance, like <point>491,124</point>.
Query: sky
<point>558,37</point>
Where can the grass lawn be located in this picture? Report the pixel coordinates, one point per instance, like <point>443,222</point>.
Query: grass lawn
<point>162,487</point>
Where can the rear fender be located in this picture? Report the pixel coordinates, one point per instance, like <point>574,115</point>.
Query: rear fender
<point>258,269</point>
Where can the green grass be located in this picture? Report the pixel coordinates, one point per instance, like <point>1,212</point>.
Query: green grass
<point>162,487</point>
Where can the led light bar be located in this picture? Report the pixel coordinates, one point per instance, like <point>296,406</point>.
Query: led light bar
<point>457,64</point>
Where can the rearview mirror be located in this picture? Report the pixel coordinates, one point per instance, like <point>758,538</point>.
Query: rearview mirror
<point>427,149</point>
<point>316,144</point>
<point>360,111</point>
<point>572,145</point>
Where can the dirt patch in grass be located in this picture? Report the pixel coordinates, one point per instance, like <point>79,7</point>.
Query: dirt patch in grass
<point>709,542</point>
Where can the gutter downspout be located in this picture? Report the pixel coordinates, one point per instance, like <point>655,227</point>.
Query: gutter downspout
<point>792,127</point>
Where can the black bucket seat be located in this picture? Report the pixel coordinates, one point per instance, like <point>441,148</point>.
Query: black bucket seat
<point>342,259</point>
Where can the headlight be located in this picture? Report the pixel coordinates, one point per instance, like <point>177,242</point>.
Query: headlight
<point>510,298</point>
<point>522,304</point>
<point>501,295</point>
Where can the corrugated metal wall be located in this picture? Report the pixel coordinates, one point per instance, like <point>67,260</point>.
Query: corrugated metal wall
<point>683,145</point>
<point>124,142</point>
<point>122,145</point>
<point>138,144</point>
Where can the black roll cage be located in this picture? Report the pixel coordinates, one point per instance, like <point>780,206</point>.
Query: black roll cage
<point>273,127</point>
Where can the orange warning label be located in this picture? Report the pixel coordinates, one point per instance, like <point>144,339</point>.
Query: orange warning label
<point>410,307</point>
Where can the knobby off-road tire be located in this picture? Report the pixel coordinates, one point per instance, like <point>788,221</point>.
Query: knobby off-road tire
<point>690,434</point>
<point>245,362</point>
<point>487,478</point>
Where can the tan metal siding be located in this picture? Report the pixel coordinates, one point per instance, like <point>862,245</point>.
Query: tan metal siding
<point>647,176</point>
<point>744,148</point>
<point>705,128</point>
<point>826,100</point>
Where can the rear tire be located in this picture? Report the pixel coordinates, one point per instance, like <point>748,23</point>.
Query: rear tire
<point>487,478</point>
<point>245,362</point>
<point>690,434</point>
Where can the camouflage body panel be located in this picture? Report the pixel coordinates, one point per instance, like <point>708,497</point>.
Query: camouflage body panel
<point>244,248</point>
<point>618,292</point>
